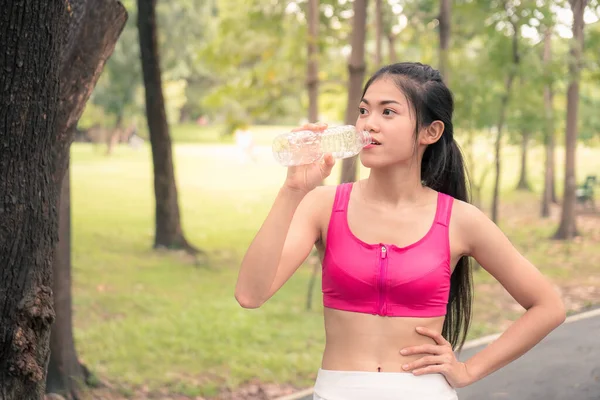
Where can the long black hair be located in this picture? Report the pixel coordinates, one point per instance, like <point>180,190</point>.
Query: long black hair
<point>442,169</point>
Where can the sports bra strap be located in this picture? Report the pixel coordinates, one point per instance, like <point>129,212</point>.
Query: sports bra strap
<point>342,197</point>
<point>444,209</point>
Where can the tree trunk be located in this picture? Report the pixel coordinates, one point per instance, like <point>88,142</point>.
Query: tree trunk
<point>568,227</point>
<point>356,69</point>
<point>168,232</point>
<point>114,136</point>
<point>312,79</point>
<point>523,183</point>
<point>552,172</point>
<point>470,165</point>
<point>392,48</point>
<point>33,34</point>
<point>94,28</point>
<point>498,145</point>
<point>503,107</point>
<point>312,83</point>
<point>66,375</point>
<point>444,18</point>
<point>378,33</point>
<point>548,194</point>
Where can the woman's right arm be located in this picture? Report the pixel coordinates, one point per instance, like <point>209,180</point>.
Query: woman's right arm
<point>287,235</point>
<point>281,245</point>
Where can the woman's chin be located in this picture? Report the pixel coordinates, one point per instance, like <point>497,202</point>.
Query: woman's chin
<point>368,161</point>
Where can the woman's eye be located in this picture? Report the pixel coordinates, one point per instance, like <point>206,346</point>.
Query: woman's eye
<point>362,110</point>
<point>387,111</point>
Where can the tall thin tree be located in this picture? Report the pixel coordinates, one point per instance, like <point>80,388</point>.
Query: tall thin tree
<point>523,183</point>
<point>312,86</point>
<point>512,74</point>
<point>312,70</point>
<point>444,32</point>
<point>168,231</point>
<point>356,70</point>
<point>568,227</point>
<point>378,33</point>
<point>549,193</point>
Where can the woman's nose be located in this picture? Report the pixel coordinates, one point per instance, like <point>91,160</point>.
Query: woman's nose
<point>371,124</point>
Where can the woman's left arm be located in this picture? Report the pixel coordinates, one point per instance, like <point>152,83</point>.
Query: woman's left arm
<point>487,244</point>
<point>481,239</point>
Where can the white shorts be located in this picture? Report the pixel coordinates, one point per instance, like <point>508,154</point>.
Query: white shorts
<point>359,385</point>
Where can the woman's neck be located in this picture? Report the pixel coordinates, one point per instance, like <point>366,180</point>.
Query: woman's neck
<point>394,186</point>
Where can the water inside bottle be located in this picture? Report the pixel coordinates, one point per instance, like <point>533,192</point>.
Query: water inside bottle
<point>341,144</point>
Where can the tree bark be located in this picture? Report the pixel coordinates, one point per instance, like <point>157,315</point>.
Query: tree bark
<point>356,70</point>
<point>66,375</point>
<point>392,48</point>
<point>553,169</point>
<point>444,32</point>
<point>503,107</point>
<point>378,33</point>
<point>312,84</point>
<point>548,194</point>
<point>523,183</point>
<point>568,227</point>
<point>94,28</point>
<point>32,35</point>
<point>168,232</point>
<point>312,79</point>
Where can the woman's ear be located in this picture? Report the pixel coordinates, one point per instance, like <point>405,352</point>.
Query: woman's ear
<point>432,133</point>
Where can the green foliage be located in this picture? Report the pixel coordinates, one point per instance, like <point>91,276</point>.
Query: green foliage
<point>184,26</point>
<point>118,89</point>
<point>241,65</point>
<point>255,55</point>
<point>589,129</point>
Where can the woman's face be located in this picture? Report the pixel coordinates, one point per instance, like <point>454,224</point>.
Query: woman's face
<point>387,115</point>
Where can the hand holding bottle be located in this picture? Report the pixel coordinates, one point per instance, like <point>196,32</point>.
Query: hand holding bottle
<point>306,177</point>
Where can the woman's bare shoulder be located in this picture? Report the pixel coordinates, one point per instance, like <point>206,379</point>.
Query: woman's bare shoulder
<point>324,196</point>
<point>462,221</point>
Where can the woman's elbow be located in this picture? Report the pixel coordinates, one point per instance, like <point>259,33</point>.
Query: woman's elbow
<point>561,312</point>
<point>247,301</point>
<point>557,311</point>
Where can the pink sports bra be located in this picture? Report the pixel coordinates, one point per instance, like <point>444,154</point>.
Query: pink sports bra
<point>384,279</point>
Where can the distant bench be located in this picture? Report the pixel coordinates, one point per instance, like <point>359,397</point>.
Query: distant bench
<point>585,193</point>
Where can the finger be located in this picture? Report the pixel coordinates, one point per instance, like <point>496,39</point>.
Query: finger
<point>300,128</point>
<point>422,349</point>
<point>315,127</point>
<point>304,127</point>
<point>320,126</point>
<point>432,369</point>
<point>435,335</point>
<point>328,163</point>
<point>423,362</point>
<point>329,160</point>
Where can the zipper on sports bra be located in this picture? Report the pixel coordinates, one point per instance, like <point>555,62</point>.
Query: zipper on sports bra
<point>382,272</point>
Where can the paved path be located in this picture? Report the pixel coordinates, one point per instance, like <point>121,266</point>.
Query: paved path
<point>564,366</point>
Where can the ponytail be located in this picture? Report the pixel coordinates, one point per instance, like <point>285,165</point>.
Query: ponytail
<point>447,175</point>
<point>442,169</point>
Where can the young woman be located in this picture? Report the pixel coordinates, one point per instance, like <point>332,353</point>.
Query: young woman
<point>394,249</point>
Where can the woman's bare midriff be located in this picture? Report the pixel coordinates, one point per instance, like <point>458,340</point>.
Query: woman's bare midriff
<point>365,342</point>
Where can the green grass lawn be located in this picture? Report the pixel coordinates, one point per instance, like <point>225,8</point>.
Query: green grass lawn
<point>157,319</point>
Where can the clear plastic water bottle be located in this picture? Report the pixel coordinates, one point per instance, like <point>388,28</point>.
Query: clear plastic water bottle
<point>307,147</point>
